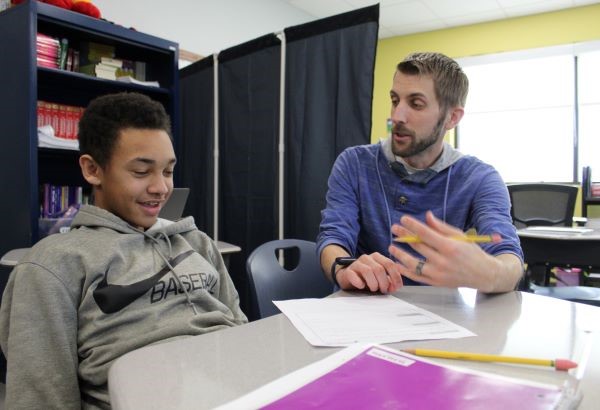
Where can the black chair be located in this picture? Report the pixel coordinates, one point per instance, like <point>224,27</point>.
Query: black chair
<point>542,204</point>
<point>547,205</point>
<point>300,277</point>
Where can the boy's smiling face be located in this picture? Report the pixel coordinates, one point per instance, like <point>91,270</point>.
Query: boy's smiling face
<point>138,178</point>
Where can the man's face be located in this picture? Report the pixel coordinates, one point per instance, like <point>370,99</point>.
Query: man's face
<point>138,179</point>
<point>419,124</point>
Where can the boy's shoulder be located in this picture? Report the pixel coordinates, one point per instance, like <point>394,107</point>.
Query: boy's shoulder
<point>56,247</point>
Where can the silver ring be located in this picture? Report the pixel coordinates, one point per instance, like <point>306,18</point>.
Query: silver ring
<point>419,268</point>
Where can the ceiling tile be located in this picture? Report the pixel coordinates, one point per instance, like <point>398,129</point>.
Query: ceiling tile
<point>514,3</point>
<point>365,3</point>
<point>475,18</point>
<point>451,8</point>
<point>320,8</point>
<point>404,29</point>
<point>411,12</point>
<point>536,8</point>
<point>385,33</point>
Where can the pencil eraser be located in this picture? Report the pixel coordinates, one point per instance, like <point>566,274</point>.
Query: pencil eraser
<point>496,237</point>
<point>564,364</point>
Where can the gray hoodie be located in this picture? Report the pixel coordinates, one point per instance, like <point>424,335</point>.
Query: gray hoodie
<point>79,300</point>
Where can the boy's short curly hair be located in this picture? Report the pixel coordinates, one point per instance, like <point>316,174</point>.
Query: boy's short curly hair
<point>106,116</point>
<point>450,83</point>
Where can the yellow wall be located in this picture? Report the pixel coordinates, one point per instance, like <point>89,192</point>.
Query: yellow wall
<point>562,27</point>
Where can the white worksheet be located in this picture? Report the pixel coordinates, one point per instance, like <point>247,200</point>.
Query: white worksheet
<point>342,321</point>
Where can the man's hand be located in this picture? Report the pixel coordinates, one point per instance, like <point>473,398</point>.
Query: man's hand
<point>373,272</point>
<point>452,263</point>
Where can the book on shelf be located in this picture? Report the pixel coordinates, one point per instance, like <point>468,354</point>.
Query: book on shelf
<point>140,70</point>
<point>57,199</point>
<point>93,52</point>
<point>53,52</point>
<point>63,50</point>
<point>374,376</point>
<point>48,51</point>
<point>64,120</point>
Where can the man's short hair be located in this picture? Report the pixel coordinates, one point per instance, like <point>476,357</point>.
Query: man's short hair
<point>450,83</point>
<point>106,116</point>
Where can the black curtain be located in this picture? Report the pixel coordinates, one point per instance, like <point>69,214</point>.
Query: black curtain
<point>196,161</point>
<point>329,90</point>
<point>248,127</point>
<point>329,82</point>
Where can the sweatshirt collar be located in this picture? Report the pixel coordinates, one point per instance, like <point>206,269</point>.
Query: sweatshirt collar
<point>406,172</point>
<point>449,156</point>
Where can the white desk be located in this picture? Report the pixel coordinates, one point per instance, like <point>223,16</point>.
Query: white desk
<point>204,371</point>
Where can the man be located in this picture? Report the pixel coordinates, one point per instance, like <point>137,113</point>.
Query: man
<point>434,191</point>
<point>121,278</point>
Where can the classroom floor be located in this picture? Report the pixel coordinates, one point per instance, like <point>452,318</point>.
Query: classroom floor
<point>2,393</point>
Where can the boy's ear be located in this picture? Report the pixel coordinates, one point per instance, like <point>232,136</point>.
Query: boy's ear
<point>92,172</point>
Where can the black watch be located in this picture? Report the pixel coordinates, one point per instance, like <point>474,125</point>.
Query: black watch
<point>342,261</point>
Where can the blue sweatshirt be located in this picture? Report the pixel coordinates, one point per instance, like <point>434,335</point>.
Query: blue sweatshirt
<point>365,197</point>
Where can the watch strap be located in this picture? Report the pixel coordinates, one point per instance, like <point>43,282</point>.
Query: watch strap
<point>342,261</point>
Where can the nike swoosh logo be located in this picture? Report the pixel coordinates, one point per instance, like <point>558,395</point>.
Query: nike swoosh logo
<point>112,298</point>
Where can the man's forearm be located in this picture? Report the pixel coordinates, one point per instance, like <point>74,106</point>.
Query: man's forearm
<point>507,276</point>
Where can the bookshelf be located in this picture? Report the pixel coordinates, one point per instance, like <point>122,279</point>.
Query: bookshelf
<point>25,166</point>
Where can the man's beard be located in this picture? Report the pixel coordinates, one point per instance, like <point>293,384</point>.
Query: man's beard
<point>418,146</point>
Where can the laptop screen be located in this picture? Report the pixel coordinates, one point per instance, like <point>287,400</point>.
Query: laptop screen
<point>173,208</point>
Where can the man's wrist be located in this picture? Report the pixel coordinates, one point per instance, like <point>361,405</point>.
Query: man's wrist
<point>343,262</point>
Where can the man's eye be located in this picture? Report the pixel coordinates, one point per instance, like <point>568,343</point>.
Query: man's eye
<point>394,102</point>
<point>140,173</point>
<point>168,173</point>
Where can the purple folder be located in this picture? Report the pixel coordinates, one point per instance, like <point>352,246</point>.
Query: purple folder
<point>381,379</point>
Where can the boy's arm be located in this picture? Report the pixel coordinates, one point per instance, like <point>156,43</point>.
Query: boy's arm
<point>38,334</point>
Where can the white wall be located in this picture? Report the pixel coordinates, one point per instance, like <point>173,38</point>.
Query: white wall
<point>203,26</point>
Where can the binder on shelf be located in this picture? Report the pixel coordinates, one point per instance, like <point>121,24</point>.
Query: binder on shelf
<point>374,376</point>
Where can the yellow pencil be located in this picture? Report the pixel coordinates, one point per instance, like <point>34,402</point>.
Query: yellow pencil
<point>558,364</point>
<point>465,238</point>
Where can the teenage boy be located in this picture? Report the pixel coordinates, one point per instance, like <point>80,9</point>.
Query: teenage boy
<point>121,278</point>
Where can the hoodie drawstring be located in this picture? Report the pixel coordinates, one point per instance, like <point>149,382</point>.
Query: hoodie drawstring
<point>446,193</point>
<point>156,246</point>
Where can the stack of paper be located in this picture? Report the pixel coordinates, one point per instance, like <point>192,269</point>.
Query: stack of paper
<point>47,139</point>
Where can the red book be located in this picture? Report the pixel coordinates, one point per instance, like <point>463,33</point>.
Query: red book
<point>48,62</point>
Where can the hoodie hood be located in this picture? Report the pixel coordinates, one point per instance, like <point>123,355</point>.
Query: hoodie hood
<point>94,217</point>
<point>449,157</point>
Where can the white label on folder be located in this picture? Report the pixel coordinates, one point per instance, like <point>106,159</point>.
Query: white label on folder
<point>390,357</point>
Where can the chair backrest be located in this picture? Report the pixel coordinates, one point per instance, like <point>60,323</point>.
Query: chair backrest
<point>270,281</point>
<point>542,204</point>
